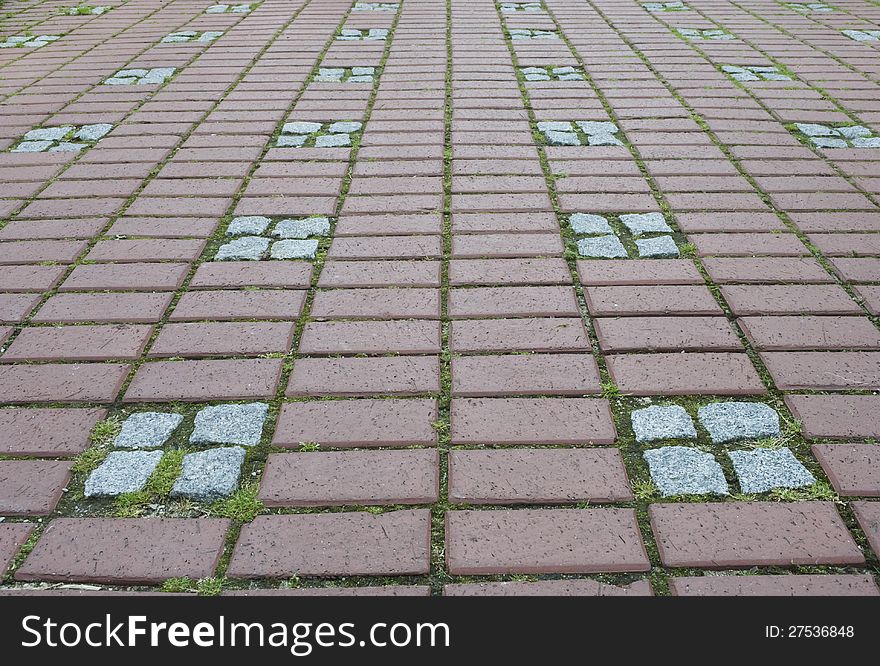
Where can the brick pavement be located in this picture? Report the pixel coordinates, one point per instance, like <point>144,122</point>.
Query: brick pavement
<point>426,262</point>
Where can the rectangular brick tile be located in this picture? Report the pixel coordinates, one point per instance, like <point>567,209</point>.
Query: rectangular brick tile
<point>568,587</point>
<point>46,431</point>
<point>335,478</point>
<point>29,278</point>
<point>651,300</point>
<point>62,382</point>
<point>32,487</point>
<point>860,269</point>
<point>725,535</point>
<point>385,247</point>
<point>531,374</point>
<point>531,421</point>
<point>475,246</point>
<point>844,585</point>
<point>34,252</point>
<point>827,299</point>
<point>335,544</point>
<point>81,343</point>
<point>537,476</point>
<point>707,373</point>
<point>724,270</point>
<point>868,515</point>
<point>232,379</point>
<point>223,339</point>
<point>749,245</point>
<point>804,332</point>
<point>12,538</point>
<point>146,249</point>
<point>544,541</point>
<point>348,423</point>
<point>823,370</point>
<point>621,334</point>
<point>847,245</point>
<point>104,307</point>
<point>485,302</point>
<point>853,469</point>
<point>319,591</point>
<point>390,303</point>
<point>128,277</point>
<point>126,550</point>
<point>228,304</point>
<point>380,274</point>
<point>472,272</point>
<point>624,272</point>
<point>836,416</point>
<point>871,296</point>
<point>549,334</point>
<point>365,376</point>
<point>236,274</point>
<point>371,337</point>
<point>15,307</point>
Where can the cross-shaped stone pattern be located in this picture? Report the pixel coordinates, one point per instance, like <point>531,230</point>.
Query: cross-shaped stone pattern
<point>655,7</point>
<point>242,8</point>
<point>530,33</point>
<point>252,238</point>
<point>63,139</point>
<point>705,34</point>
<point>566,73</point>
<point>514,7</point>
<point>184,36</point>
<point>640,229</point>
<point>755,73</point>
<point>365,35</point>
<point>847,136</point>
<point>580,133</point>
<point>863,35</point>
<point>809,7</point>
<point>376,6</point>
<point>141,77</point>
<point>357,74</point>
<point>28,41</point>
<point>299,134</point>
<point>87,10</point>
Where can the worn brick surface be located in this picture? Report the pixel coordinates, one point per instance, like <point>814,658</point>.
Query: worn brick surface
<point>535,476</point>
<point>80,343</point>
<point>336,544</point>
<point>752,534</point>
<point>799,332</point>
<point>868,515</point>
<point>685,374</point>
<point>544,541</point>
<point>47,431</point>
<point>651,300</point>
<point>548,334</point>
<point>12,538</point>
<point>529,374</point>
<point>370,337</point>
<point>853,469</point>
<point>555,588</point>
<point>231,379</point>
<point>364,376</point>
<point>620,334</point>
<point>126,550</point>
<point>329,478</point>
<point>852,585</point>
<point>531,421</point>
<point>31,487</point>
<point>62,382</point>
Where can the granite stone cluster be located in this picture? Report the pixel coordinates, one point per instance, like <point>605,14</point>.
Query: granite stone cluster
<point>755,73</point>
<point>191,36</point>
<point>512,7</point>
<point>530,33</point>
<point>863,35</point>
<point>87,10</point>
<point>28,41</point>
<point>684,470</point>
<point>654,7</point>
<point>649,231</point>
<point>851,136</point>
<point>376,6</point>
<point>290,238</point>
<point>809,7</point>
<point>232,9</point>
<point>365,35</point>
<point>567,73</point>
<point>710,34</point>
<point>302,134</point>
<point>206,476</point>
<point>141,77</point>
<point>580,133</point>
<point>345,74</point>
<point>64,139</point>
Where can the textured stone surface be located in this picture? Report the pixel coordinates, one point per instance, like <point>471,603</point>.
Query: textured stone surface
<point>584,223</point>
<point>207,476</point>
<point>294,249</point>
<point>126,550</point>
<point>857,585</point>
<point>543,541</point>
<point>606,247</point>
<point>250,225</point>
<point>727,421</point>
<point>718,536</point>
<point>122,472</point>
<point>32,487</point>
<point>230,424</point>
<point>645,223</point>
<point>662,422</point>
<point>661,247</point>
<point>335,544</point>
<point>853,469</point>
<point>147,430</point>
<point>681,470</point>
<point>535,476</point>
<point>249,248</point>
<point>302,228</point>
<point>761,470</point>
<point>553,588</point>
<point>333,478</point>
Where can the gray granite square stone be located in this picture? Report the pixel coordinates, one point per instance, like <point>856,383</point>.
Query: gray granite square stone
<point>662,422</point>
<point>249,225</point>
<point>302,228</point>
<point>246,248</point>
<point>230,424</point>
<point>645,223</point>
<point>294,249</point>
<point>585,223</point>
<point>762,469</point>
<point>602,247</point>
<point>208,476</point>
<point>333,141</point>
<point>681,470</point>
<point>147,430</point>
<point>728,421</point>
<point>122,472</point>
<point>661,247</point>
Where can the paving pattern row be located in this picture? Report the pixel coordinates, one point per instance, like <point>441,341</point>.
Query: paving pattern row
<point>330,297</point>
